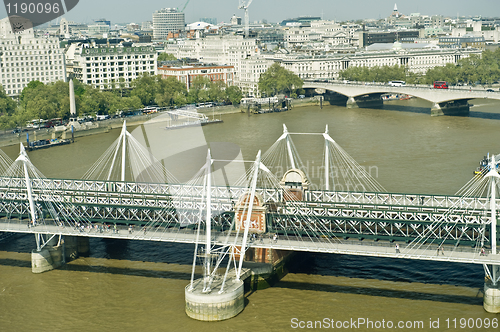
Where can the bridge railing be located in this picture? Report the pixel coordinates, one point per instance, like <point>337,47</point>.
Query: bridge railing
<point>442,201</point>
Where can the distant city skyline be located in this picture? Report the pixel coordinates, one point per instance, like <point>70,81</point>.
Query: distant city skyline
<point>126,11</point>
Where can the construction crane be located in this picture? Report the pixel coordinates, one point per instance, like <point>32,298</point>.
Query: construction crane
<point>244,4</point>
<point>185,5</point>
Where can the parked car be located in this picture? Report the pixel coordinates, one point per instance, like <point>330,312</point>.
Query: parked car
<point>101,117</point>
<point>489,90</point>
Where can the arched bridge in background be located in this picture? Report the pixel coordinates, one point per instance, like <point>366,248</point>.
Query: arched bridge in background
<point>452,101</point>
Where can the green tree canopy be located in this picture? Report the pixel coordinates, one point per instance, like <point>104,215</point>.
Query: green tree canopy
<point>155,90</point>
<point>33,85</point>
<point>167,90</point>
<point>374,74</point>
<point>277,79</point>
<point>233,94</point>
<point>166,57</point>
<point>7,109</point>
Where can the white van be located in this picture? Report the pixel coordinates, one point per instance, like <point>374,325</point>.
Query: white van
<point>397,83</point>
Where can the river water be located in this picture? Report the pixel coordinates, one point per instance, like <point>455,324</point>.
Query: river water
<point>138,286</point>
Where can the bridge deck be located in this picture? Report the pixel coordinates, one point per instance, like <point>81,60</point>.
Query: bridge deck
<point>373,249</point>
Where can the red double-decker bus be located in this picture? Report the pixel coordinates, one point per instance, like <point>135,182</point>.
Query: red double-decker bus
<point>440,85</point>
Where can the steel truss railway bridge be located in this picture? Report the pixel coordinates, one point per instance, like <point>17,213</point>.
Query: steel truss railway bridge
<point>231,219</point>
<point>164,210</point>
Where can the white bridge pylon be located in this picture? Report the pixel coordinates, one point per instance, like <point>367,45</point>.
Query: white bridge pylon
<point>233,243</point>
<point>45,210</point>
<point>493,271</point>
<point>340,172</point>
<point>127,157</point>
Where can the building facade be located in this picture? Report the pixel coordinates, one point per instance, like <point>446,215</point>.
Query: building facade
<point>416,60</point>
<point>327,32</point>
<point>367,38</point>
<point>98,29</point>
<point>186,74</point>
<point>251,69</point>
<point>467,41</point>
<point>475,28</point>
<point>223,49</point>
<point>167,20</point>
<point>105,66</point>
<point>25,57</point>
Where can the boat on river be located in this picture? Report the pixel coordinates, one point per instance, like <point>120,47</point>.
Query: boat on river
<point>46,143</point>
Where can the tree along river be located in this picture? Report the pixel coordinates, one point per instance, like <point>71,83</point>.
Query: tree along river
<point>139,286</point>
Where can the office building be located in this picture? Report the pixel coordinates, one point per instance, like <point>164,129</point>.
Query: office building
<point>167,20</point>
<point>25,57</point>
<point>105,66</point>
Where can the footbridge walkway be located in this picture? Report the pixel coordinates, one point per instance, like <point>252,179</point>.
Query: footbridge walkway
<point>260,212</point>
<point>168,213</point>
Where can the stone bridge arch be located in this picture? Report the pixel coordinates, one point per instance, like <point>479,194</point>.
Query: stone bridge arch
<point>453,101</point>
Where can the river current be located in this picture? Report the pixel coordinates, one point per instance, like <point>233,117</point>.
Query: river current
<point>139,286</point>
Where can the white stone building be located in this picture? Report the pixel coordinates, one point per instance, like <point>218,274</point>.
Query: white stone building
<point>250,71</point>
<point>167,20</point>
<point>490,36</point>
<point>220,49</point>
<point>25,57</point>
<point>417,57</point>
<point>327,32</point>
<point>104,66</point>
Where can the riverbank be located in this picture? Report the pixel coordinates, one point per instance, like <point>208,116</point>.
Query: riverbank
<point>98,127</point>
<point>302,102</point>
<point>310,101</point>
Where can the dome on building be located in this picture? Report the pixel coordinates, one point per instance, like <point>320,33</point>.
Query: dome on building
<point>397,46</point>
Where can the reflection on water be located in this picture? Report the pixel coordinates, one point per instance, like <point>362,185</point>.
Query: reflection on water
<point>134,285</point>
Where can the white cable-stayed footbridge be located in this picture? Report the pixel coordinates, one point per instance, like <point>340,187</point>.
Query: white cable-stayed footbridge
<point>261,210</point>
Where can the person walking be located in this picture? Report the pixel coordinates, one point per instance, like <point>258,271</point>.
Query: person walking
<point>397,248</point>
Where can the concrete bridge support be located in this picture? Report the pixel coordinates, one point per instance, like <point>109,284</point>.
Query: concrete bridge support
<point>491,299</point>
<point>335,99</point>
<point>367,101</point>
<point>75,246</point>
<point>457,107</point>
<point>215,305</point>
<point>58,251</point>
<point>267,266</point>
<point>48,258</point>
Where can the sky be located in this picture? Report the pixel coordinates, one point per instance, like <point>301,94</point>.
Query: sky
<point>137,11</point>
